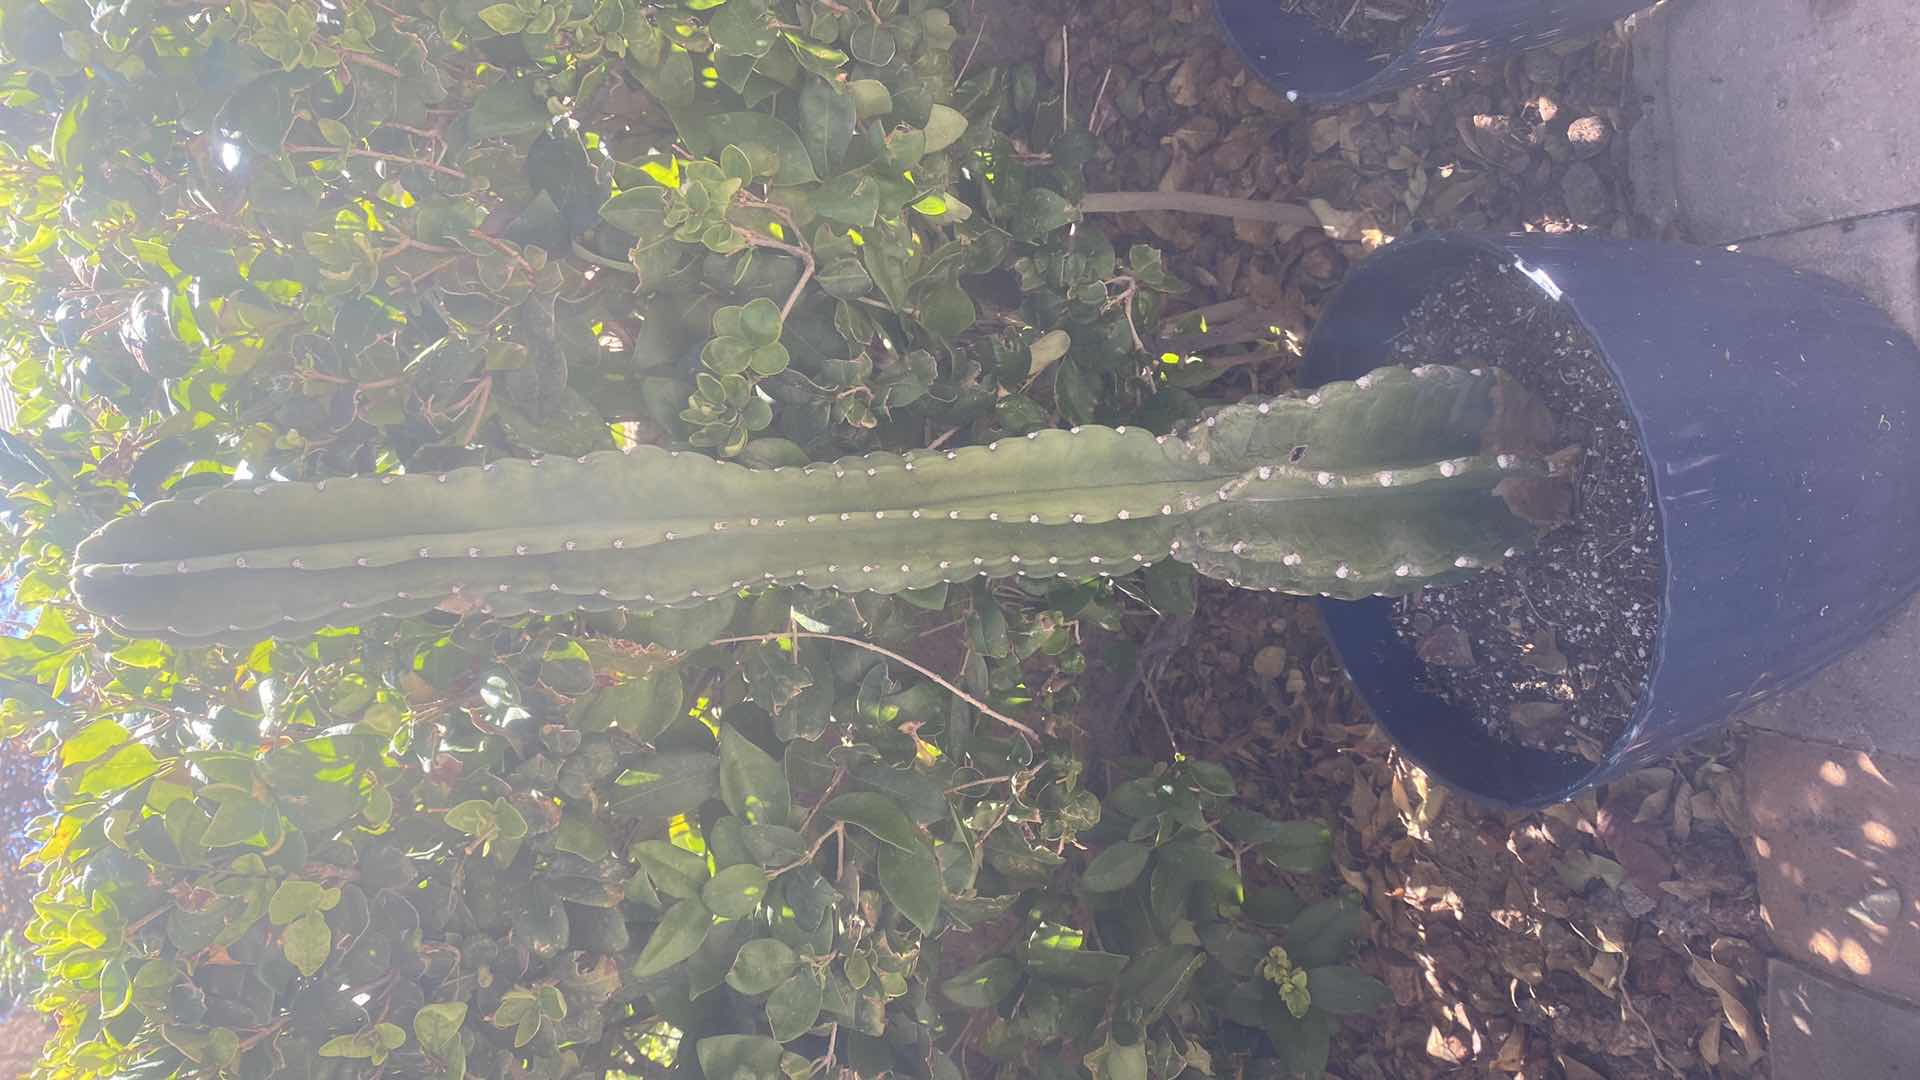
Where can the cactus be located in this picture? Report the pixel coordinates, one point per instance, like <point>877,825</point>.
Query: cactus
<point>1399,479</point>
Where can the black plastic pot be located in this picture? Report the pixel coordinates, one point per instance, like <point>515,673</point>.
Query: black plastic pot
<point>1780,413</point>
<point>1310,66</point>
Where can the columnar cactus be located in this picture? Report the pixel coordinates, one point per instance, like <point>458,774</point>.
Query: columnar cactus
<point>1400,479</point>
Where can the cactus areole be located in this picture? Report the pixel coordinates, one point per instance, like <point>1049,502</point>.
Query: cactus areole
<point>1402,478</point>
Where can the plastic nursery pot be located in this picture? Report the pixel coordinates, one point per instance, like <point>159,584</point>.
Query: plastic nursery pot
<point>1780,415</point>
<point>1307,64</point>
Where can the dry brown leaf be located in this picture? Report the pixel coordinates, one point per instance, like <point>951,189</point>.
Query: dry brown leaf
<point>1709,1042</point>
<point>1576,1069</point>
<point>1721,980</point>
<point>1513,1052</point>
<point>1683,812</point>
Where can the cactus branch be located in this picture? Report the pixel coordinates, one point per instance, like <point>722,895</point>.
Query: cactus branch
<point>1398,479</point>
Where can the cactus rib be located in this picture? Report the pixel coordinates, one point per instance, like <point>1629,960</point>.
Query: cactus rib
<point>1380,485</point>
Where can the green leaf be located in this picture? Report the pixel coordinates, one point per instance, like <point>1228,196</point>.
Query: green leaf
<point>1299,847</point>
<point>640,211</point>
<point>506,108</point>
<point>1040,211</point>
<point>760,321</point>
<point>1303,1042</point>
<point>776,150</point>
<point>736,892</point>
<point>871,44</point>
<point>1113,1061</point>
<point>662,785</point>
<point>358,1045</point>
<point>741,27</point>
<point>1116,867</point>
<point>116,990</point>
<point>849,199</point>
<point>870,98</point>
<point>761,965</point>
<point>794,1006</point>
<point>295,898</point>
<point>944,127</point>
<point>91,741</point>
<point>307,943</point>
<point>237,821</point>
<point>682,930</point>
<point>503,18</point>
<point>923,797</point>
<point>1275,905</point>
<point>128,766</point>
<point>879,815</point>
<point>911,879</point>
<point>1077,967</point>
<point>984,984</point>
<point>845,278</point>
<point>578,835</point>
<point>827,117</point>
<point>1046,349</point>
<point>438,1026</point>
<point>675,871</point>
<point>947,310</point>
<point>1343,990</point>
<point>475,817</point>
<point>752,783</point>
<point>769,360</point>
<point>1319,935</point>
<point>1159,976</point>
<point>738,1057</point>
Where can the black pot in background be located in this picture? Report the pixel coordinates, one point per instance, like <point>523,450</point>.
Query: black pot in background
<point>1310,66</point>
<point>1780,413</point>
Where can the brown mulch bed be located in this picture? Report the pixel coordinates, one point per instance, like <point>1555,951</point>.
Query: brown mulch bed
<point>1589,940</point>
<point>1617,936</point>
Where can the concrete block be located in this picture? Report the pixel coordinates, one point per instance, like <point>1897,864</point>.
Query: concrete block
<point>1836,848</point>
<point>1880,256</point>
<point>1789,113</point>
<point>1818,1029</point>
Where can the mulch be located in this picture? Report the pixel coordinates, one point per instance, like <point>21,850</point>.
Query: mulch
<point>1617,936</point>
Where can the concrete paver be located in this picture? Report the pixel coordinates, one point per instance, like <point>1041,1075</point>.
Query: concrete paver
<point>1787,113</point>
<point>1836,847</point>
<point>1818,1029</point>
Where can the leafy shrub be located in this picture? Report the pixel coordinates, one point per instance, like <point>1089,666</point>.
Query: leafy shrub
<point>297,241</point>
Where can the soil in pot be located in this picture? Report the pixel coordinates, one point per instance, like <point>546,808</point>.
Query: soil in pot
<point>1386,27</point>
<point>1552,650</point>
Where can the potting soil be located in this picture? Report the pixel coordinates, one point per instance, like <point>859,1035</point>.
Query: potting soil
<point>1552,650</point>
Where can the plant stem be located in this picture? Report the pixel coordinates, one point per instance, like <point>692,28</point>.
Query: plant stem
<point>582,251</point>
<point>1031,735</point>
<point>1185,202</point>
<point>380,155</point>
<point>806,258</point>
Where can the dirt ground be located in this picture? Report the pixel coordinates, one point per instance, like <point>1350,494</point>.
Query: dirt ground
<point>1617,936</point>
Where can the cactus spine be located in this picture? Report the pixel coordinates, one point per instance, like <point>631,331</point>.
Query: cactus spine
<point>1400,479</point>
